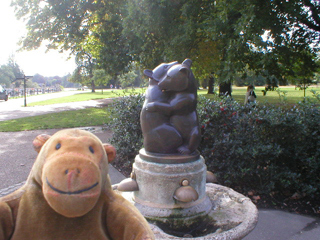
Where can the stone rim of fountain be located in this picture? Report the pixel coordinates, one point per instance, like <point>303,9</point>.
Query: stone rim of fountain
<point>246,221</point>
<point>219,212</point>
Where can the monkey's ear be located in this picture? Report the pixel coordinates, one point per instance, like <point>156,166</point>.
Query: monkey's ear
<point>39,141</point>
<point>110,151</point>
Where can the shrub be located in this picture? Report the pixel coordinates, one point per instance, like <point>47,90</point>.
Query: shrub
<point>125,124</point>
<point>266,148</point>
<point>270,149</point>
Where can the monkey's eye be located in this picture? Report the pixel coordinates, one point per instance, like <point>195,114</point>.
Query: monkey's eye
<point>91,149</point>
<point>58,146</point>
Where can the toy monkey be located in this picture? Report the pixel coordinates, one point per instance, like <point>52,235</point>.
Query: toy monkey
<point>68,195</point>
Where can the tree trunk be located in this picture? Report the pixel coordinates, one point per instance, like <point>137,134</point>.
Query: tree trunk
<point>211,85</point>
<point>225,89</point>
<point>93,87</point>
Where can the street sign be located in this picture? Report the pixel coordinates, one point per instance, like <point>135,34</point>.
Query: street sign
<point>24,78</point>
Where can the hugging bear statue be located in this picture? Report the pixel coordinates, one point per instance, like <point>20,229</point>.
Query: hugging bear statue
<point>155,125</point>
<point>171,102</point>
<point>68,195</point>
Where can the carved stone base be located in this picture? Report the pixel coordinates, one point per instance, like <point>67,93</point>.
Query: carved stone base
<point>173,196</point>
<point>159,180</point>
<point>171,188</point>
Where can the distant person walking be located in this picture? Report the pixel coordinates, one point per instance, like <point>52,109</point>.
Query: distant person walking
<point>250,96</point>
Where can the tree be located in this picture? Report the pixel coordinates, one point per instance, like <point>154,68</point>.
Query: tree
<point>86,64</point>
<point>15,68</point>
<point>65,83</point>
<point>91,30</point>
<point>63,24</point>
<point>205,31</point>
<point>77,77</point>
<point>31,84</point>
<point>9,72</point>
<point>100,77</point>
<point>128,79</point>
<point>41,80</point>
<point>6,75</point>
<point>303,70</point>
<point>224,37</point>
<point>56,80</point>
<point>113,51</point>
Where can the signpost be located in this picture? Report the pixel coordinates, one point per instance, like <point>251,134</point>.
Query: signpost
<point>24,78</point>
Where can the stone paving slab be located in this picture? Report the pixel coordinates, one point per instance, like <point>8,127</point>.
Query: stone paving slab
<point>17,154</point>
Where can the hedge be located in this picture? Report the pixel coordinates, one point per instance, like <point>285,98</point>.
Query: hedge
<point>266,148</point>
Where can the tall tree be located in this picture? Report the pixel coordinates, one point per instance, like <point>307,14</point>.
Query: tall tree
<point>9,72</point>
<point>101,78</point>
<point>41,80</point>
<point>204,31</point>
<point>85,66</point>
<point>91,27</point>
<point>222,37</point>
<point>6,75</point>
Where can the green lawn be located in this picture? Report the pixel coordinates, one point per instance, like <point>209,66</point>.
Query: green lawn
<point>98,116</point>
<point>292,95</point>
<point>79,97</point>
<point>238,93</point>
<point>66,119</point>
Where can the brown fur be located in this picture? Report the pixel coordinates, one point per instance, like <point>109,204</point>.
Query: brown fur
<point>68,195</point>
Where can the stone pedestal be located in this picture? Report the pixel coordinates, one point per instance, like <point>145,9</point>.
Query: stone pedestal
<point>159,177</point>
<point>216,212</point>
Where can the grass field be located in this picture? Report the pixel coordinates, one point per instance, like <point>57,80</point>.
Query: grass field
<point>80,97</point>
<point>98,116</point>
<point>238,93</point>
<point>66,119</point>
<point>292,95</point>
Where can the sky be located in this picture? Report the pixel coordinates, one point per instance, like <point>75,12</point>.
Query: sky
<point>48,64</point>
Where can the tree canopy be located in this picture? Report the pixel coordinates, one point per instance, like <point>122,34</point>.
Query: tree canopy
<point>9,72</point>
<point>224,38</point>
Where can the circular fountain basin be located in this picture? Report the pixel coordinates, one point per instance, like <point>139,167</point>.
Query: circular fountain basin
<point>233,216</point>
<point>217,212</point>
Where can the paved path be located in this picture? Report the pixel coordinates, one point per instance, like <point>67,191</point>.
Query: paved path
<point>17,156</point>
<point>16,150</point>
<point>14,108</point>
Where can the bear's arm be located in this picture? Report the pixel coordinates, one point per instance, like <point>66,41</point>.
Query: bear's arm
<point>164,108</point>
<point>124,222</point>
<point>6,221</point>
<point>183,103</point>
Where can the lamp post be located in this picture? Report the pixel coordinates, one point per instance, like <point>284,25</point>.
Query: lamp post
<point>24,78</point>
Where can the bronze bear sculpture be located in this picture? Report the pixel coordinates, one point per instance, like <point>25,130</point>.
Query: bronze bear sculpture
<point>170,104</point>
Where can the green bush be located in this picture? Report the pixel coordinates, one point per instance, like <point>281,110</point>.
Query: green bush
<point>266,148</point>
<point>270,149</point>
<point>125,124</point>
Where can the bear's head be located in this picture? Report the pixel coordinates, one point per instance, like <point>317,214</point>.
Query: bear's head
<point>72,168</point>
<point>160,71</point>
<point>179,78</point>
